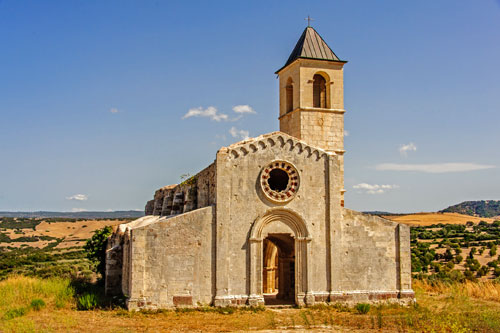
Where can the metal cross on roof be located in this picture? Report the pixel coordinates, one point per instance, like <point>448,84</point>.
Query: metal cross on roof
<point>309,19</point>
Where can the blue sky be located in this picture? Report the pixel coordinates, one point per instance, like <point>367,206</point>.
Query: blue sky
<point>93,96</point>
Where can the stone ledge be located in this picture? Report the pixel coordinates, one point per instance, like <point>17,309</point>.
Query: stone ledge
<point>309,109</point>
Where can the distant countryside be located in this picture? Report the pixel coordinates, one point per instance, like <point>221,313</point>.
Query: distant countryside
<point>455,264</point>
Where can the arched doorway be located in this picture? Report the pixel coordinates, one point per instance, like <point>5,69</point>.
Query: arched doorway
<point>278,273</point>
<point>279,234</point>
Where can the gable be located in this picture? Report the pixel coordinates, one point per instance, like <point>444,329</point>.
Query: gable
<point>245,148</point>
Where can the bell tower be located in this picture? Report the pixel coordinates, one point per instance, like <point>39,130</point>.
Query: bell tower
<point>312,95</point>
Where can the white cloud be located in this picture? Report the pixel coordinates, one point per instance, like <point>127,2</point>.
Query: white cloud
<point>374,188</point>
<point>404,149</point>
<point>346,133</point>
<point>114,110</point>
<point>210,112</point>
<point>243,109</point>
<point>241,134</point>
<point>433,168</point>
<point>78,210</point>
<point>78,197</point>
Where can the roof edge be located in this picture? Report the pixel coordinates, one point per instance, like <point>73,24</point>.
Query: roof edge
<point>340,61</point>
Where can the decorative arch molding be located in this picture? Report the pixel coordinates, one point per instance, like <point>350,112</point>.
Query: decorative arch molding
<point>278,214</point>
<point>243,148</point>
<point>298,229</point>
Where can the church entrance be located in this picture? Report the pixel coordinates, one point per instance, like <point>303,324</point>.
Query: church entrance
<point>278,269</point>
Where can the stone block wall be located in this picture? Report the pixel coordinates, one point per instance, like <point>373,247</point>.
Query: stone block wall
<point>195,192</point>
<point>114,264</point>
<point>171,261</point>
<point>371,261</point>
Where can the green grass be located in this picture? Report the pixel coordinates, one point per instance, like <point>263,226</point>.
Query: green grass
<point>20,291</point>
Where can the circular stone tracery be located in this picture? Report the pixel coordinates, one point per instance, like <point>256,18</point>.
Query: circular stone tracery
<point>279,181</point>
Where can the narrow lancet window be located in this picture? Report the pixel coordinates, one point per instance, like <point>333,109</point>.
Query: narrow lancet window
<point>289,95</point>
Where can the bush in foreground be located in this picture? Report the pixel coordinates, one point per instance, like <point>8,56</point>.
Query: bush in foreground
<point>37,304</point>
<point>88,301</point>
<point>362,308</point>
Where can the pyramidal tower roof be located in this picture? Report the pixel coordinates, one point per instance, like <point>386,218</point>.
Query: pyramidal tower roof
<point>311,46</point>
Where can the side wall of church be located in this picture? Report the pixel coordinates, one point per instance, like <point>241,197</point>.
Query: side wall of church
<point>171,262</point>
<point>240,203</point>
<point>371,259</point>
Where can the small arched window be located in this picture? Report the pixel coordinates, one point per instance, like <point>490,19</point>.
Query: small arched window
<point>289,95</point>
<point>319,91</point>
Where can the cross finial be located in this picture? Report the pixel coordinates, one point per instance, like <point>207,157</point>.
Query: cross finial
<point>309,19</point>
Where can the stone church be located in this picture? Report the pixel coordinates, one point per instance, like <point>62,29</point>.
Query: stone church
<point>265,223</point>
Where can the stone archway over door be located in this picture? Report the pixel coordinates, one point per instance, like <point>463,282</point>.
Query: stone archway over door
<point>280,221</point>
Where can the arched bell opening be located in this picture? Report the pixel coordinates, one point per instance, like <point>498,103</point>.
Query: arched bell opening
<point>321,91</point>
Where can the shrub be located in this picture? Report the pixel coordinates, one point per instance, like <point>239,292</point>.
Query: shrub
<point>225,310</point>
<point>493,251</point>
<point>482,271</point>
<point>37,304</point>
<point>87,302</point>
<point>13,313</point>
<point>362,308</point>
<point>493,264</point>
<point>469,275</point>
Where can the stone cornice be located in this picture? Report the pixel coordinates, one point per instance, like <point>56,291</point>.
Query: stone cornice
<point>308,109</point>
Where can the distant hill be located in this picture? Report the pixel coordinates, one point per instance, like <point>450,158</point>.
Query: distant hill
<point>380,213</point>
<point>77,215</point>
<point>483,208</point>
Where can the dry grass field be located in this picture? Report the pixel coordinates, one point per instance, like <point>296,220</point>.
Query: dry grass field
<point>426,219</point>
<point>467,307</point>
<point>73,233</point>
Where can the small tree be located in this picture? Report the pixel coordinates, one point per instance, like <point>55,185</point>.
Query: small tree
<point>448,255</point>
<point>482,271</point>
<point>469,275</point>
<point>96,248</point>
<point>493,250</point>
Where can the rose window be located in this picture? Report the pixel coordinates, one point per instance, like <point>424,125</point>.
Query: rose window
<point>279,181</point>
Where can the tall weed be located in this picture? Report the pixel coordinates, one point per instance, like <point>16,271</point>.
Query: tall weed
<point>20,291</point>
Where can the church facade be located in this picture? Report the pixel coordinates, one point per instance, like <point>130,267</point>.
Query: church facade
<point>265,223</point>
